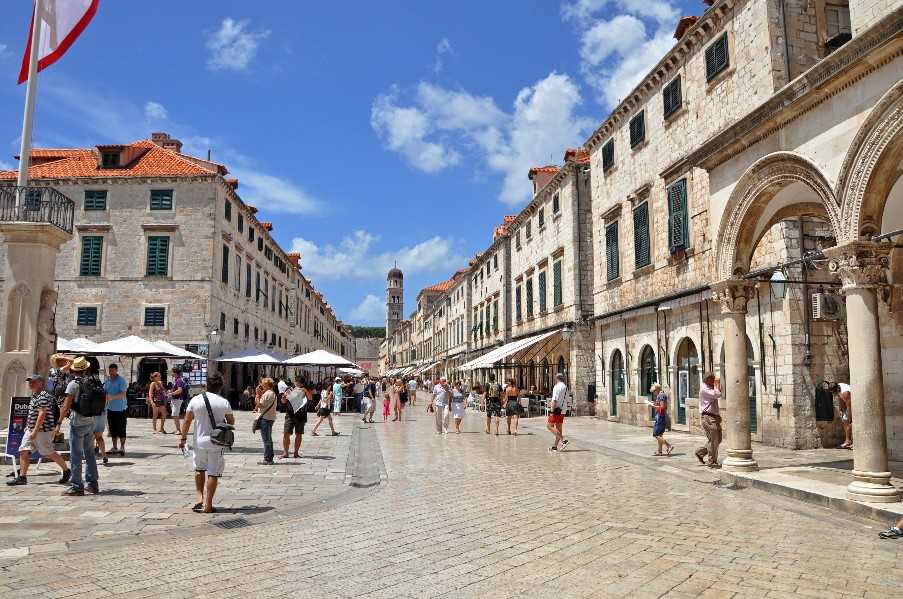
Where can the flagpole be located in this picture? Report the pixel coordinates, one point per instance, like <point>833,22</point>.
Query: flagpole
<point>30,93</point>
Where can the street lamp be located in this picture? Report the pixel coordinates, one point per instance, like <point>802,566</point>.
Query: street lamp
<point>567,332</point>
<point>778,285</point>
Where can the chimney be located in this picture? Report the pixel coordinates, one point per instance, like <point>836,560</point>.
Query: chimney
<point>540,175</point>
<point>165,141</point>
<point>294,258</point>
<point>232,182</point>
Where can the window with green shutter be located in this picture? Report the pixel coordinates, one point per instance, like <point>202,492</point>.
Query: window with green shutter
<point>86,316</point>
<point>158,256</point>
<point>541,287</point>
<point>92,256</point>
<point>716,57</point>
<point>641,254</point>
<point>518,293</point>
<point>671,97</point>
<point>612,254</point>
<point>155,316</point>
<point>95,199</point>
<point>638,129</point>
<point>227,211</point>
<point>557,298</point>
<point>529,291</point>
<point>161,199</point>
<point>556,204</point>
<point>488,307</point>
<point>608,154</point>
<point>225,277</point>
<point>678,218</point>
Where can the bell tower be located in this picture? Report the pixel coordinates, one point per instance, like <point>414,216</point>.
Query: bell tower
<point>394,299</point>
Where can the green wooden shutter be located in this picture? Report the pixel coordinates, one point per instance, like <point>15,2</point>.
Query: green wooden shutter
<point>716,57</point>
<point>671,97</point>
<point>225,276</point>
<point>638,129</point>
<point>612,255</point>
<point>86,317</point>
<point>154,317</point>
<point>678,227</point>
<point>557,298</point>
<point>517,298</point>
<point>95,200</point>
<point>161,199</point>
<point>92,253</point>
<point>157,256</point>
<point>529,288</point>
<point>495,316</point>
<point>608,154</point>
<point>542,292</point>
<point>641,253</point>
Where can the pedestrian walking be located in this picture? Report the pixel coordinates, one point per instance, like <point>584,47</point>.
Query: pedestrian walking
<point>387,400</point>
<point>555,422</point>
<point>894,532</point>
<point>845,404</point>
<point>100,421</point>
<point>156,399</point>
<point>439,405</point>
<point>660,420</point>
<point>84,401</point>
<point>358,396</point>
<point>493,401</point>
<point>115,388</point>
<point>177,396</point>
<point>512,406</point>
<point>402,399</point>
<point>338,395</point>
<point>295,400</point>
<point>40,423</point>
<point>324,412</point>
<point>412,391</point>
<point>396,390</point>
<point>710,415</point>
<point>458,405</point>
<point>266,416</point>
<point>209,409</point>
<point>369,400</point>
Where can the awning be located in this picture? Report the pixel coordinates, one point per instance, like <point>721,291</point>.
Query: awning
<point>421,369</point>
<point>179,352</point>
<point>132,346</point>
<point>320,357</point>
<point>80,345</point>
<point>250,355</point>
<point>489,359</point>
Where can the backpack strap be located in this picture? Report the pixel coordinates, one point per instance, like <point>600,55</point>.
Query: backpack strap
<point>209,409</point>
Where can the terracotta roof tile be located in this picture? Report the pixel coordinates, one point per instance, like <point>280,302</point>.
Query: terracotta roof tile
<point>549,168</point>
<point>578,155</point>
<point>684,24</point>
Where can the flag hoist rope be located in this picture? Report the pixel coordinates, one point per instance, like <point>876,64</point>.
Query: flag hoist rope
<point>30,92</point>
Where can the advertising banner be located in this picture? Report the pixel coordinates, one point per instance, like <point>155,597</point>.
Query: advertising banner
<point>18,417</point>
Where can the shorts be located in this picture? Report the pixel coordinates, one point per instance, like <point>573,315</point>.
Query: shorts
<point>556,418</point>
<point>493,408</point>
<point>117,423</point>
<point>100,423</point>
<point>512,408</point>
<point>210,460</point>
<point>457,409</point>
<point>294,423</point>
<point>324,412</point>
<point>175,407</point>
<point>40,441</point>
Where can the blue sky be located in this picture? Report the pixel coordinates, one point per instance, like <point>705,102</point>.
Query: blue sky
<point>368,132</point>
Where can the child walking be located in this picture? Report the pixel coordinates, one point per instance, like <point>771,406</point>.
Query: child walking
<point>385,402</point>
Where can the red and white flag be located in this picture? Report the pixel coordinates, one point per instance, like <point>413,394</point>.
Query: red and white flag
<point>61,22</point>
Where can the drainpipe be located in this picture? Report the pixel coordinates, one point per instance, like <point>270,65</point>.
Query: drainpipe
<point>805,297</point>
<point>786,42</point>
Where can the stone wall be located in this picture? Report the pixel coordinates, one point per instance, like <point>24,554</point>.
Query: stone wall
<point>865,13</point>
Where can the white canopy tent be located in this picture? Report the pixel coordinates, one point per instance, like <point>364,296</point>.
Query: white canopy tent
<point>488,360</point>
<point>250,355</point>
<point>320,357</point>
<point>79,345</point>
<point>351,371</point>
<point>177,351</point>
<point>132,346</point>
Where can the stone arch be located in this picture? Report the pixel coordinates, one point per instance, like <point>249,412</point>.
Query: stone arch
<point>19,321</point>
<point>764,195</point>
<point>872,166</point>
<point>14,379</point>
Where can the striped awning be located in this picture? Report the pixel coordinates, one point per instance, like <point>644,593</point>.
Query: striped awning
<point>488,360</point>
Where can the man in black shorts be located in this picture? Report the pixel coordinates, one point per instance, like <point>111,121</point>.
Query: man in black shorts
<point>296,399</point>
<point>493,404</point>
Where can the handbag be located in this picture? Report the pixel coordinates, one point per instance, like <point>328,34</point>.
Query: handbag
<point>255,426</point>
<point>223,434</point>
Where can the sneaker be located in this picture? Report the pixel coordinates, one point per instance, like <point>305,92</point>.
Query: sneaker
<point>564,443</point>
<point>19,480</point>
<point>553,448</point>
<point>12,475</point>
<point>335,433</point>
<point>92,489</point>
<point>106,461</point>
<point>67,474</point>
<point>891,533</point>
<point>73,492</point>
<point>700,457</point>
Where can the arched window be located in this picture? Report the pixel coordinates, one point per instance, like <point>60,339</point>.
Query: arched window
<point>546,377</point>
<point>647,373</point>
<point>688,377</point>
<point>562,367</point>
<point>616,384</point>
<point>14,379</point>
<point>18,319</point>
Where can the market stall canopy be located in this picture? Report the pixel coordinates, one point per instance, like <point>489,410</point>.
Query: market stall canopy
<point>320,357</point>
<point>488,360</point>
<point>351,371</point>
<point>132,346</point>
<point>80,345</point>
<point>250,355</point>
<point>177,351</point>
<point>427,368</point>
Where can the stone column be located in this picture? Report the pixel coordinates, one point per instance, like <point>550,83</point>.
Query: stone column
<point>862,267</point>
<point>733,294</point>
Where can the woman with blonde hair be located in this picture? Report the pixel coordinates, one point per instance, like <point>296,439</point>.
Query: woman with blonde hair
<point>156,399</point>
<point>266,416</point>
<point>397,388</point>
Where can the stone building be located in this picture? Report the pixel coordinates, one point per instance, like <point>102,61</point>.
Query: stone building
<point>165,248</point>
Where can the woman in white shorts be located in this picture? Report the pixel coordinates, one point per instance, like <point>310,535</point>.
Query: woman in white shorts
<point>458,405</point>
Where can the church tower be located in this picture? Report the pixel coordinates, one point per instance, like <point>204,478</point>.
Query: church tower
<point>394,300</point>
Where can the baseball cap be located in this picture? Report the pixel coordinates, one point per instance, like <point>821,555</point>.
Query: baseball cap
<point>35,377</point>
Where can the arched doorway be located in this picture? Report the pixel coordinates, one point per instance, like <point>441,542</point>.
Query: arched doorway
<point>647,373</point>
<point>751,380</point>
<point>148,366</point>
<point>546,377</point>
<point>688,376</point>
<point>616,384</point>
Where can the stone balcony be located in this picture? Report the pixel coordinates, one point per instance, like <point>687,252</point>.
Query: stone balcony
<point>36,204</point>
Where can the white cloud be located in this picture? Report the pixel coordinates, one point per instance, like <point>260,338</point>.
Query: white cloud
<point>3,48</point>
<point>371,311</point>
<point>154,111</point>
<point>442,48</point>
<point>6,166</point>
<point>443,124</point>
<point>273,193</point>
<point>354,257</point>
<point>233,45</point>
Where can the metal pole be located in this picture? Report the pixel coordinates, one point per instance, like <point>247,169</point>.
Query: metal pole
<point>31,90</point>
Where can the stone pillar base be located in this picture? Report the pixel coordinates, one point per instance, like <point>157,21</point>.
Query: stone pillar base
<point>872,487</point>
<point>739,460</point>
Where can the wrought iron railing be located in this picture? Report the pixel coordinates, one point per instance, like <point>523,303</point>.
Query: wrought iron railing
<point>34,204</point>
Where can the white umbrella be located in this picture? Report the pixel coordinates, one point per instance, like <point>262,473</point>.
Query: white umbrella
<point>249,355</point>
<point>80,345</point>
<point>352,371</point>
<point>132,346</point>
<point>320,357</point>
<point>177,351</point>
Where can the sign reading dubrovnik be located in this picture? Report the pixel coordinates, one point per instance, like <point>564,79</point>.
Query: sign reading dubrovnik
<point>18,418</point>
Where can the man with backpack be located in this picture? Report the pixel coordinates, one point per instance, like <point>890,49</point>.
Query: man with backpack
<point>493,401</point>
<point>85,400</point>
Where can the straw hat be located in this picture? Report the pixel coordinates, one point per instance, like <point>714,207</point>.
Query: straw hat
<point>79,364</point>
<point>60,360</point>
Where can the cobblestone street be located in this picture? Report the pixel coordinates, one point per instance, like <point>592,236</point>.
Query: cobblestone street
<point>471,515</point>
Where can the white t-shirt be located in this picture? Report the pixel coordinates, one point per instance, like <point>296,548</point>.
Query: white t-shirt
<point>441,395</point>
<point>202,426</point>
<point>412,385</point>
<point>560,396</point>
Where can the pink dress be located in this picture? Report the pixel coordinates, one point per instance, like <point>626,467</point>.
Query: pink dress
<point>385,406</point>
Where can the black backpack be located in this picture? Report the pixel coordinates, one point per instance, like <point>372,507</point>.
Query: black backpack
<point>91,399</point>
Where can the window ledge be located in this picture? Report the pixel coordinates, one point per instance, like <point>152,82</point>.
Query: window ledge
<point>643,271</point>
<point>717,79</point>
<point>160,226</point>
<point>94,226</point>
<point>615,282</point>
<point>675,116</point>
<point>610,170</point>
<point>642,144</point>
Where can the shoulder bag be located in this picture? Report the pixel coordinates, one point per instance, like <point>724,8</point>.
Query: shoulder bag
<point>255,426</point>
<point>223,434</point>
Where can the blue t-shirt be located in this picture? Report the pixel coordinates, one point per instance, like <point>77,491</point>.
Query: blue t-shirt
<point>112,387</point>
<point>337,391</point>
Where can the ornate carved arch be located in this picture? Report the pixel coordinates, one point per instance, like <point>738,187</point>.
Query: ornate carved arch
<point>13,378</point>
<point>860,193</point>
<point>755,189</point>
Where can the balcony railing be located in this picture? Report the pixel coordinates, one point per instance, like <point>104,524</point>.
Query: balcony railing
<point>36,205</point>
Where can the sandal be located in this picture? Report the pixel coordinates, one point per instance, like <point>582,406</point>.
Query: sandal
<point>658,453</point>
<point>891,533</point>
<point>670,449</point>
<point>198,507</point>
<point>212,511</point>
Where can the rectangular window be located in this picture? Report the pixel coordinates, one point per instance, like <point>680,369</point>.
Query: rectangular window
<point>92,256</point>
<point>716,57</point>
<point>495,316</point>
<point>671,97</point>
<point>257,289</point>
<point>529,291</point>
<point>225,264</point>
<point>250,233</point>
<point>86,316</point>
<point>495,262</point>
<point>260,244</point>
<point>155,316</point>
<point>557,296</point>
<point>256,333</point>
<point>556,204</point>
<point>227,211</point>
<point>612,256</point>
<point>161,199</point>
<point>241,223</point>
<point>608,155</point>
<point>541,218</point>
<point>517,239</point>
<point>518,293</point>
<point>678,225</point>
<point>157,256</point>
<point>222,322</point>
<point>542,291</point>
<point>247,330</point>
<point>95,199</point>
<point>237,274</point>
<point>641,254</point>
<point>109,159</point>
<point>638,129</point>
<point>248,280</point>
<point>529,230</point>
<point>235,327</point>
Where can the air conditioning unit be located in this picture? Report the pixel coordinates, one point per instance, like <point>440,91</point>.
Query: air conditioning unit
<point>827,306</point>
